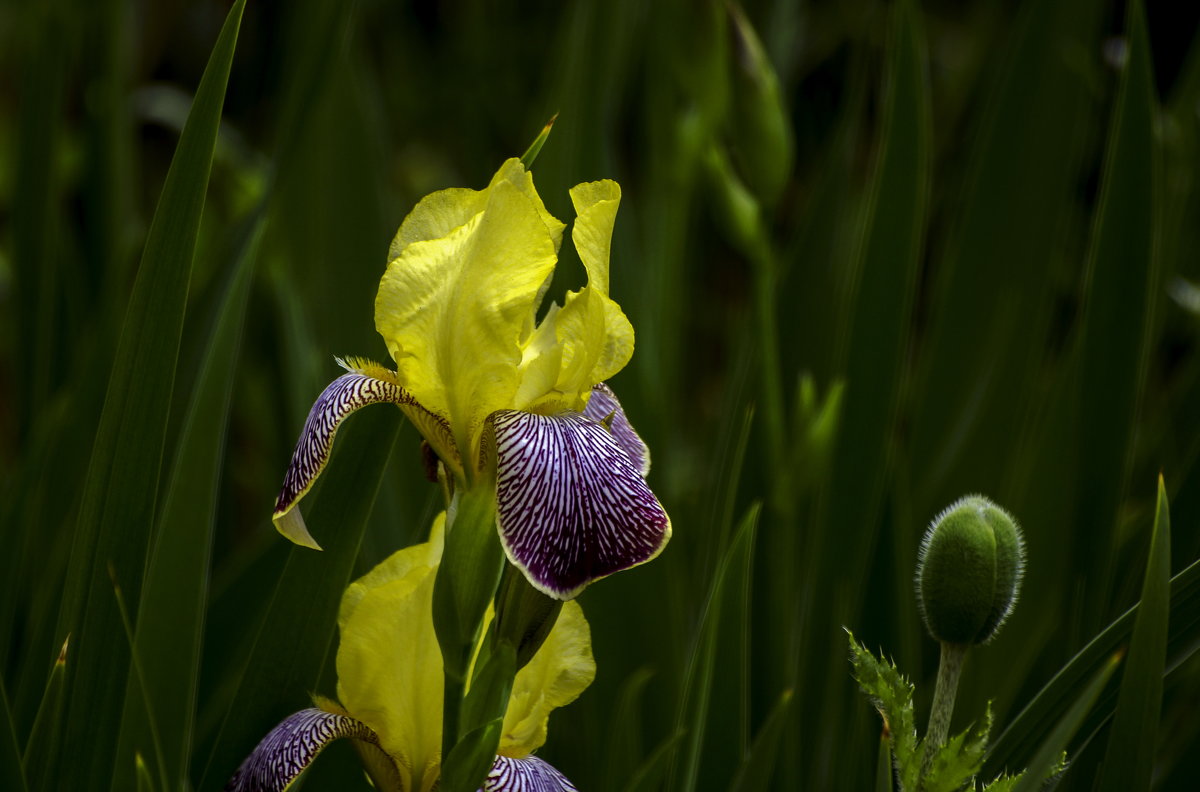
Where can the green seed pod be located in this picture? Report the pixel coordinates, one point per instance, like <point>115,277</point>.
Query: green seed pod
<point>969,572</point>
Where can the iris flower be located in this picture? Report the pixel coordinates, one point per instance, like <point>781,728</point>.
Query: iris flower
<point>503,400</point>
<point>390,691</point>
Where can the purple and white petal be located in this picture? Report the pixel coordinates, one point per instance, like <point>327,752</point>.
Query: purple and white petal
<point>525,775</point>
<point>364,383</point>
<point>292,746</point>
<point>571,505</point>
<point>602,404</point>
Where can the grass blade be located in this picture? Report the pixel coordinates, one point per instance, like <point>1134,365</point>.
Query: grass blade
<point>1019,739</point>
<point>289,653</point>
<point>171,618</point>
<point>116,519</point>
<point>12,770</point>
<point>893,232</point>
<point>41,749</point>
<point>1129,762</point>
<point>759,763</point>
<point>726,594</point>
<point>1051,749</point>
<point>1118,316</point>
<point>992,302</point>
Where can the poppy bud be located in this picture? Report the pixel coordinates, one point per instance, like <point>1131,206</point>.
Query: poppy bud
<point>969,572</point>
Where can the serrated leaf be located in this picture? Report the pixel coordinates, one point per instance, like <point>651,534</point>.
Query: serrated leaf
<point>116,518</point>
<point>960,759</point>
<point>892,695</point>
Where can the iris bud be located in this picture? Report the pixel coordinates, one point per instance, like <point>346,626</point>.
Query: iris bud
<point>969,573</point>
<point>760,130</point>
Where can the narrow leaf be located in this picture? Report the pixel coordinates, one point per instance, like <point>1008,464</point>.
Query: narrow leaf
<point>1050,751</point>
<point>693,715</point>
<point>1129,762</point>
<point>293,641</point>
<point>1122,287</point>
<point>41,749</point>
<point>757,767</point>
<point>171,618</point>
<point>468,763</point>
<point>12,771</point>
<point>116,517</point>
<point>1028,729</point>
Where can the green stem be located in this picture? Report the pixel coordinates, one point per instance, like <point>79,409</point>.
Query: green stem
<point>452,696</point>
<point>949,670</point>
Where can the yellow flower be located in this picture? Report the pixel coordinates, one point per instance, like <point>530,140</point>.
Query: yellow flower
<point>390,690</point>
<point>505,401</point>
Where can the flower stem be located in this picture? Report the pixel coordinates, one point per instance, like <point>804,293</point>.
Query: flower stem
<point>452,696</point>
<point>949,670</point>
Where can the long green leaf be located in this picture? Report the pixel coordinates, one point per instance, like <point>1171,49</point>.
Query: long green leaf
<point>1122,288</point>
<point>1021,736</point>
<point>171,618</point>
<point>992,300</point>
<point>116,518</point>
<point>892,237</point>
<point>1051,749</point>
<point>727,592</point>
<point>12,770</point>
<point>41,749</point>
<point>758,765</point>
<point>1129,761</point>
<point>288,655</point>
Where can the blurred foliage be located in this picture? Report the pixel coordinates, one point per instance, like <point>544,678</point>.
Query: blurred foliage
<point>876,259</point>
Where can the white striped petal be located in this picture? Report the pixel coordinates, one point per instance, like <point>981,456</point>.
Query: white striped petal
<point>291,747</point>
<point>571,503</point>
<point>529,774</point>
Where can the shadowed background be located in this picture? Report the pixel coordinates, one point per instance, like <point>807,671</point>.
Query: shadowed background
<point>905,256</point>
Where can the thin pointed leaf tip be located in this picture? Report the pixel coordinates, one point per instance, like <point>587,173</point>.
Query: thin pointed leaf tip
<point>504,401</point>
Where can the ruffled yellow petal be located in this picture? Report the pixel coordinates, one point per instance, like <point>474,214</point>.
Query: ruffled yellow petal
<point>562,668</point>
<point>455,304</point>
<point>592,338</point>
<point>439,213</point>
<point>388,662</point>
<point>596,206</point>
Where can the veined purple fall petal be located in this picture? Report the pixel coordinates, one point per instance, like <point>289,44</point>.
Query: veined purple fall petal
<point>571,504</point>
<point>529,774</point>
<point>602,404</point>
<point>291,747</point>
<point>363,384</point>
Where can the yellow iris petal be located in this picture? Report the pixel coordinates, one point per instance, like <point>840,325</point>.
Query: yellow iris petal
<point>456,301</point>
<point>388,662</point>
<point>589,339</point>
<point>562,668</point>
<point>596,206</point>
